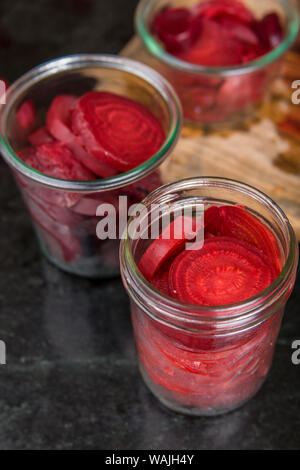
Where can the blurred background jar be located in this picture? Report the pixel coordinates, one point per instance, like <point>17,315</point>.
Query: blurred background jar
<point>216,97</point>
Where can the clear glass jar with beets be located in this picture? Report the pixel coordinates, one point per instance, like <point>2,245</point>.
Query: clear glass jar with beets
<point>203,360</point>
<point>64,212</point>
<point>218,97</point>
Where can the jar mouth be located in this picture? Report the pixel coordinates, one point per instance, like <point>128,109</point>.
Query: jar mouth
<point>77,62</point>
<point>141,19</point>
<point>223,314</point>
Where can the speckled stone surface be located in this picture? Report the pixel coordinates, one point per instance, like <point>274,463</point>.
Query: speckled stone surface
<point>71,378</point>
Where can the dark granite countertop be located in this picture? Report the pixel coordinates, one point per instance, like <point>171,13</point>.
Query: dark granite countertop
<point>71,379</point>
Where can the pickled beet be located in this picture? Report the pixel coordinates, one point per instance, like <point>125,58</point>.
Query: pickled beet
<point>269,31</point>
<point>119,132</point>
<point>217,33</point>
<point>223,272</point>
<point>55,159</point>
<point>240,257</point>
<point>168,244</point>
<point>237,222</point>
<point>26,114</point>
<point>58,118</point>
<point>196,365</point>
<point>177,28</point>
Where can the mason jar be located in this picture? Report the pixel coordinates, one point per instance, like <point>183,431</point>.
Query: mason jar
<point>203,360</point>
<point>215,97</point>
<point>63,211</point>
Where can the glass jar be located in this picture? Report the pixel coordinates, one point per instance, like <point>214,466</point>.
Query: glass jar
<point>63,211</point>
<point>207,360</point>
<point>218,96</point>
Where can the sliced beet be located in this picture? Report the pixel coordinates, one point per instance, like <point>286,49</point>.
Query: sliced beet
<point>59,124</point>
<point>223,272</point>
<point>161,279</point>
<point>88,204</point>
<point>176,27</point>
<point>58,212</point>
<point>58,118</point>
<point>94,164</point>
<point>61,233</point>
<point>26,114</point>
<point>216,46</point>
<point>217,33</point>
<point>55,159</point>
<point>40,136</point>
<point>166,245</point>
<point>118,131</point>
<point>237,222</point>
<point>269,31</point>
<point>240,30</point>
<point>218,9</point>
<point>240,91</point>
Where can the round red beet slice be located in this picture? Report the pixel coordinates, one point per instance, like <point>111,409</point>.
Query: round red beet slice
<point>118,131</point>
<point>55,159</point>
<point>58,118</point>
<point>237,222</point>
<point>223,272</point>
<point>26,114</point>
<point>59,124</point>
<point>167,245</point>
<point>177,28</point>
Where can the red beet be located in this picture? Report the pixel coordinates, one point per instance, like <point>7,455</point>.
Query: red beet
<point>217,33</point>
<point>170,242</point>
<point>94,164</point>
<point>237,222</point>
<point>59,117</point>
<point>223,272</point>
<point>118,131</point>
<point>219,9</point>
<point>161,279</point>
<point>177,28</point>
<point>56,160</point>
<point>26,114</point>
<point>61,233</point>
<point>269,31</point>
<point>216,46</point>
<point>88,204</point>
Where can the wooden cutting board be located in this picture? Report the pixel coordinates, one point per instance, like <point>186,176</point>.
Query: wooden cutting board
<point>265,154</point>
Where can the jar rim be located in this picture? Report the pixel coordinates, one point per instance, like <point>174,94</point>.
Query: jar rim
<point>153,46</point>
<point>76,62</point>
<point>232,314</point>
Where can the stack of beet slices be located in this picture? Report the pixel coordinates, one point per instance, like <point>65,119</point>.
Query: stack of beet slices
<point>96,136</point>
<point>217,33</point>
<point>102,133</point>
<point>240,258</point>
